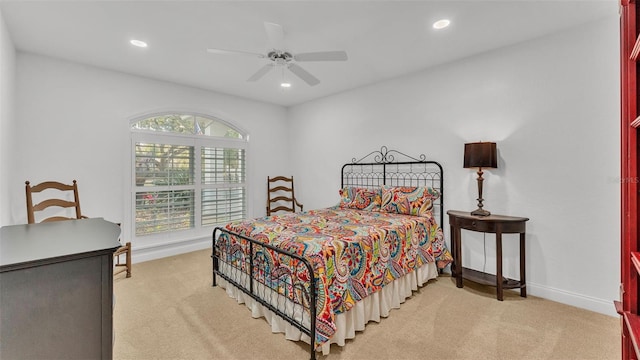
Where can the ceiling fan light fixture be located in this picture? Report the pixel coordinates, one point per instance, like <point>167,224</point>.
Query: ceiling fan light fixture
<point>138,43</point>
<point>441,24</point>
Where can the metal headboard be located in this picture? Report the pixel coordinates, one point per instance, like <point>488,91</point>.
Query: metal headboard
<point>382,168</point>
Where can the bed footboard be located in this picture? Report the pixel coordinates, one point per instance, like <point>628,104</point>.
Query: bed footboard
<point>281,281</point>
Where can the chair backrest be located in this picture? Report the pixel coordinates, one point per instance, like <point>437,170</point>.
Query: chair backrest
<point>52,194</point>
<point>281,195</point>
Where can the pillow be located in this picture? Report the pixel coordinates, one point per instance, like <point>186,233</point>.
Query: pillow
<point>416,201</point>
<point>360,198</point>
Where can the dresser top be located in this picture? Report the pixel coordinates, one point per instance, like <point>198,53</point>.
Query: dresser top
<point>32,243</point>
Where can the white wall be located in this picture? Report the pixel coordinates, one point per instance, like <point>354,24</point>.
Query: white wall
<point>73,123</point>
<point>7,121</point>
<point>552,106</point>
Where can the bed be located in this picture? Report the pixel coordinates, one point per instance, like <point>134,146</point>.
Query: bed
<point>320,275</point>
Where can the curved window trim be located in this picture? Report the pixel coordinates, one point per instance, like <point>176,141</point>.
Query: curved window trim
<point>240,130</point>
<point>216,116</point>
<point>179,236</point>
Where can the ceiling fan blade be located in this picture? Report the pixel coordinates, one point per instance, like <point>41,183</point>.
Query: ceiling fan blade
<point>235,52</point>
<point>304,75</point>
<point>275,34</point>
<point>260,73</point>
<point>322,56</point>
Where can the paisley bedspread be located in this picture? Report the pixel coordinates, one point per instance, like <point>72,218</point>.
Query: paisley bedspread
<point>354,252</point>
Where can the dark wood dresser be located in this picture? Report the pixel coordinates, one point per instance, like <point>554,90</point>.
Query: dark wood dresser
<point>56,290</point>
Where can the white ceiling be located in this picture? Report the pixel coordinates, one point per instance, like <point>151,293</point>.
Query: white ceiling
<point>383,39</point>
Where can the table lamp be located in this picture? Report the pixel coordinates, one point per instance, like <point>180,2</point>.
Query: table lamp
<point>480,155</point>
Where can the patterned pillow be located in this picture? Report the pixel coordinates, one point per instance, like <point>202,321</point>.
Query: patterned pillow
<point>408,200</point>
<point>360,198</point>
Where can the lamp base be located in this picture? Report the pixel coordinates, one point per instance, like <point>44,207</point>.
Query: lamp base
<point>480,212</point>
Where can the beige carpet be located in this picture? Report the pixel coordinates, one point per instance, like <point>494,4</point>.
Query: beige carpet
<point>169,310</point>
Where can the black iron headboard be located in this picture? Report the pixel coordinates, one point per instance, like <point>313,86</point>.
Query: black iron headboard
<point>382,168</point>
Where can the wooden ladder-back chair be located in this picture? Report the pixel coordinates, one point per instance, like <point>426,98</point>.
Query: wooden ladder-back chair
<point>121,266</point>
<point>54,194</point>
<point>281,195</point>
<point>60,202</point>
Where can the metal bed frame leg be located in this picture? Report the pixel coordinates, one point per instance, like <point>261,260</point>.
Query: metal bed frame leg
<point>214,258</point>
<point>214,268</point>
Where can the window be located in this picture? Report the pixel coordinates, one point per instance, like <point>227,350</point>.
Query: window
<point>189,173</point>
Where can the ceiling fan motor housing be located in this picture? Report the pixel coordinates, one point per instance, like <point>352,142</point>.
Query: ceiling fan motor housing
<point>280,57</point>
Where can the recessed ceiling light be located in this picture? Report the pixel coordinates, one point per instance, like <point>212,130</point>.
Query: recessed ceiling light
<point>441,24</point>
<point>138,43</point>
<point>285,85</point>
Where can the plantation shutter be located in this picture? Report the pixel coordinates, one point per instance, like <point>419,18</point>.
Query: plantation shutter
<point>190,172</point>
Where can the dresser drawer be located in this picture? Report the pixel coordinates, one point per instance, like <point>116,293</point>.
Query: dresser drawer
<point>488,225</point>
<point>476,225</point>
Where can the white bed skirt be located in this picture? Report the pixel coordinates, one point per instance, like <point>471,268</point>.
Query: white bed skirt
<point>372,308</point>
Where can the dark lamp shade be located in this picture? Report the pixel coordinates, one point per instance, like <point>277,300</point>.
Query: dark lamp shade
<point>480,154</point>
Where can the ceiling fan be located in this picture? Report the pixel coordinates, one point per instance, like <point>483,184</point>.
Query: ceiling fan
<point>279,57</point>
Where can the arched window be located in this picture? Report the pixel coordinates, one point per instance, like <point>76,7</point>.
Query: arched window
<point>189,172</point>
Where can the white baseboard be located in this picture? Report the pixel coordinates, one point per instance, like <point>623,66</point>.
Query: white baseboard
<point>152,252</point>
<point>562,296</point>
<point>601,306</point>
<point>590,303</point>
